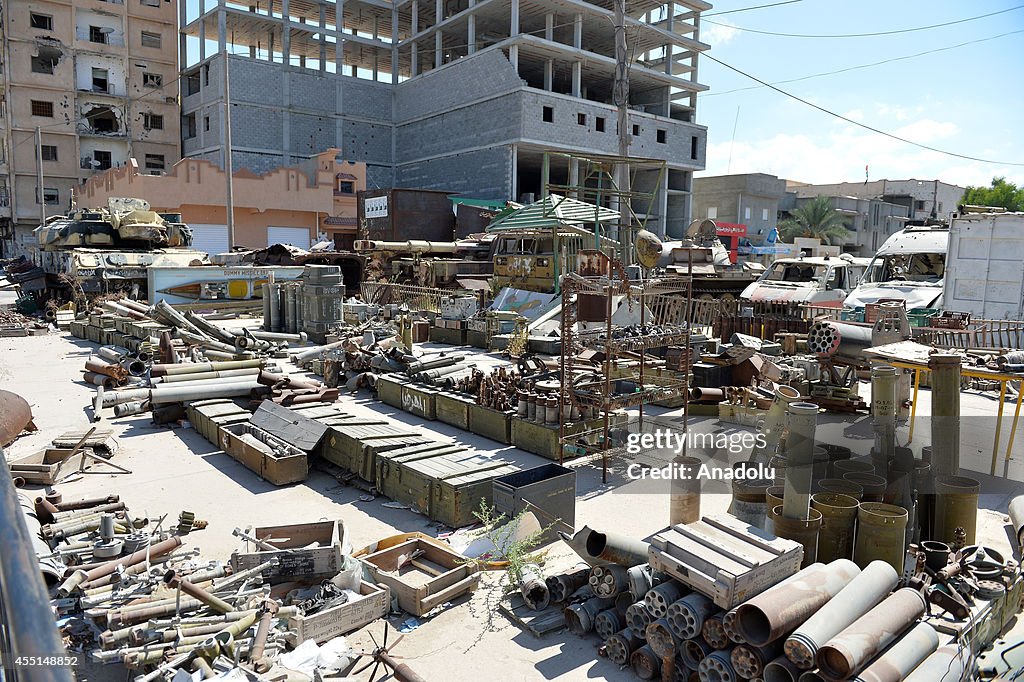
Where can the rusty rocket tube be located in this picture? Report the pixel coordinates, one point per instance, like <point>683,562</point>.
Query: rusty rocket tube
<point>864,592</point>
<point>779,609</point>
<point>851,649</point>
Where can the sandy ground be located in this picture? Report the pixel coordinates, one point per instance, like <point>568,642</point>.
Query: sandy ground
<point>177,469</point>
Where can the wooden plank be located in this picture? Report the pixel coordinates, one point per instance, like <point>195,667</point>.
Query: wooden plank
<point>537,623</point>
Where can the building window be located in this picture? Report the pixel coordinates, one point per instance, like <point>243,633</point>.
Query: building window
<point>346,187</point>
<point>746,213</point>
<point>48,152</point>
<point>45,59</point>
<point>51,196</point>
<point>188,126</point>
<point>100,80</point>
<point>43,21</point>
<point>693,147</point>
<point>42,108</point>
<point>150,39</point>
<point>712,212</point>
<point>599,124</point>
<point>102,160</point>
<point>151,3</point>
<point>919,205</point>
<point>98,34</point>
<point>153,121</point>
<point>636,130</point>
<point>206,75</point>
<point>155,162</point>
<point>152,80</point>
<point>764,214</point>
<point>581,119</point>
<point>662,136</point>
<point>548,114</point>
<point>206,123</point>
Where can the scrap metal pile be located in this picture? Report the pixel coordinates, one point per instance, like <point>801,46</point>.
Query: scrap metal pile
<point>128,591</point>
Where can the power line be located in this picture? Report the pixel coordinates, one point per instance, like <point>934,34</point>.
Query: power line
<point>747,9</point>
<point>858,123</point>
<point>863,66</point>
<point>866,35</point>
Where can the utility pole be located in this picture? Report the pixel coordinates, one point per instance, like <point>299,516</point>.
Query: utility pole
<point>228,167</point>
<point>620,97</point>
<point>39,176</point>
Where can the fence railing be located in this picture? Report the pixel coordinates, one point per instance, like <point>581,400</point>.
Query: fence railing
<point>979,334</point>
<point>30,646</point>
<point>426,299</point>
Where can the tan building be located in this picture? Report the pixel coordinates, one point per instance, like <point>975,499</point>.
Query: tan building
<point>98,79</point>
<point>293,205</point>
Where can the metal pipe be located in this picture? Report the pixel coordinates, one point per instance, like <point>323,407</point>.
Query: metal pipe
<point>193,367</point>
<point>945,371</point>
<point>947,664</point>
<point>266,306</point>
<point>203,341</point>
<point>883,411</point>
<point>134,305</point>
<point>172,317</point>
<point>209,328</point>
<point>86,503</point>
<point>781,669</point>
<point>221,356</point>
<point>202,376</point>
<point>774,423</point>
<point>270,379</point>
<point>203,381</point>
<point>851,649</point>
<point>101,366</point>
<point>242,576</point>
<point>80,578</point>
<point>290,321</point>
<point>275,306</point>
<point>614,548</point>
<point>801,422</point>
<point>902,657</point>
<point>863,593</point>
<point>314,352</point>
<point>1016,510</point>
<point>779,609</point>
<point>124,311</point>
<point>172,579</point>
<point>112,353</point>
<point>97,379</point>
<point>410,246</point>
<point>26,615</point>
<point>300,337</point>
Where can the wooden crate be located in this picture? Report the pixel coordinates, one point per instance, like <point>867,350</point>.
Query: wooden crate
<point>543,439</point>
<point>341,620</point>
<point>346,441</point>
<point>448,488</point>
<point>418,591</point>
<point>453,408</point>
<point>373,449</point>
<point>724,559</point>
<point>388,476</point>
<point>492,424</point>
<point>44,467</point>
<point>202,413</point>
<point>389,389</point>
<point>299,560</point>
<point>271,458</point>
<point>455,500</point>
<point>420,400</point>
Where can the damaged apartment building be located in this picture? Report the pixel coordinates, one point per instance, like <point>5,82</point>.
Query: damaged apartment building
<point>86,86</point>
<point>456,95</point>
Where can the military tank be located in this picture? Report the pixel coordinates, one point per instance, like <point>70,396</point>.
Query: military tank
<point>92,251</point>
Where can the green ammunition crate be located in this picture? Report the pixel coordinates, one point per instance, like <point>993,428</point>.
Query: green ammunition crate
<point>344,444</point>
<point>389,389</point>
<point>452,337</point>
<point>318,412</point>
<point>477,339</point>
<point>77,329</point>
<point>453,408</point>
<point>209,416</point>
<point>389,472</point>
<point>492,424</point>
<point>372,450</point>
<point>448,488</point>
<point>420,400</point>
<point>543,439</point>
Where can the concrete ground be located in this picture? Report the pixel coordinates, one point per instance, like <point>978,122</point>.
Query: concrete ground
<point>175,469</point>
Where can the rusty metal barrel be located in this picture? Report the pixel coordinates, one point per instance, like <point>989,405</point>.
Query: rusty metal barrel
<point>781,669</point>
<point>902,657</point>
<point>608,622</point>
<point>662,639</point>
<point>646,664</point>
<point>717,667</point>
<point>580,617</point>
<point>865,591</point>
<point>713,631</point>
<point>684,492</point>
<point>686,616</point>
<point>872,485</point>
<point>781,608</point>
<point>749,661</point>
<point>956,506</point>
<point>846,466</point>
<point>849,651</point>
<point>841,486</point>
<point>838,520</point>
<point>694,650</point>
<point>772,499</point>
<point>748,495</point>
<point>804,531</point>
<point>881,534</point>
<point>659,597</point>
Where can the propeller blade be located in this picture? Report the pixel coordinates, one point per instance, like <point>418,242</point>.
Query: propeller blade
<point>386,628</point>
<point>356,672</point>
<point>372,674</point>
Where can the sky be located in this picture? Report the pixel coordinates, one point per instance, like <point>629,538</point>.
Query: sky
<point>968,100</point>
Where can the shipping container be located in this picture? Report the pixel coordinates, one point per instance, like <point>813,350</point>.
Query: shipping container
<point>404,214</point>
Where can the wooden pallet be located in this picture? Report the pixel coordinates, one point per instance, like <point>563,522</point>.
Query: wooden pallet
<point>537,623</point>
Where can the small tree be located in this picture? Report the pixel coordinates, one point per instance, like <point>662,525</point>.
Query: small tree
<point>1000,193</point>
<point>815,219</point>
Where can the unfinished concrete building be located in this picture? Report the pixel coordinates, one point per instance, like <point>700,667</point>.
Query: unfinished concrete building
<point>98,81</point>
<point>460,95</point>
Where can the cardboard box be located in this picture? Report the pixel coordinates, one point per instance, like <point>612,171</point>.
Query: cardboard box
<point>447,574</point>
<point>299,561</point>
<point>343,619</point>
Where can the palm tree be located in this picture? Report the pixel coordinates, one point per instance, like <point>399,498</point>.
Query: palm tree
<point>817,219</point>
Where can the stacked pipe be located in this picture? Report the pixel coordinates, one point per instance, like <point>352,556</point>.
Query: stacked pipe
<point>282,309</point>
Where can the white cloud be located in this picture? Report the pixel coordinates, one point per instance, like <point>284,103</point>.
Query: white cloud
<point>854,115</point>
<point>718,33</point>
<point>839,153</point>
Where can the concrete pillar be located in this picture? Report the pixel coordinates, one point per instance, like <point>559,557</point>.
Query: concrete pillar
<point>286,35</point>
<point>202,39</point>
<point>394,48</point>
<point>514,170</point>
<point>439,36</point>
<point>513,51</point>
<point>549,73</point>
<point>471,29</point>
<point>549,26</point>
<point>574,175</point>
<point>323,40</point>
<point>414,52</point>
<point>182,43</point>
<point>577,31</point>
<point>577,66</point>
<point>663,206</point>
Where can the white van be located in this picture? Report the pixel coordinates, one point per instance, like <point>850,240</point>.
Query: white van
<point>819,280</point>
<point>910,266</point>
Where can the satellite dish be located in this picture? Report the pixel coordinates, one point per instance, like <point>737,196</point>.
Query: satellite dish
<point>702,227</point>
<point>647,248</point>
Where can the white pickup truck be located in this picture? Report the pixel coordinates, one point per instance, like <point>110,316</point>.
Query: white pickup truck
<point>910,266</point>
<point>819,280</point>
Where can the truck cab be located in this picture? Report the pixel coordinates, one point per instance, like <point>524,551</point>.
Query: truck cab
<point>910,266</point>
<point>821,280</point>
